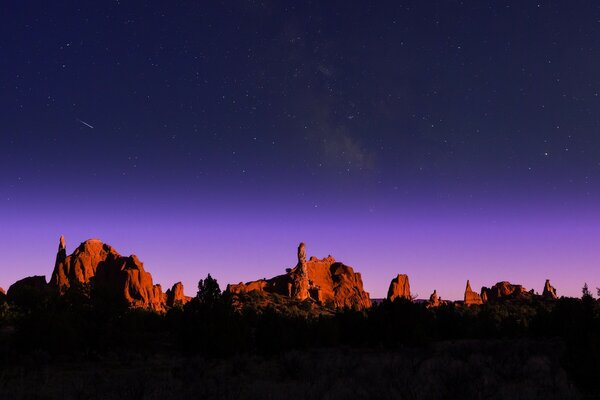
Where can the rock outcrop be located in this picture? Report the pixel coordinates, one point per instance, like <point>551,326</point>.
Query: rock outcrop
<point>2,295</point>
<point>434,300</point>
<point>549,291</point>
<point>324,281</point>
<point>175,295</point>
<point>504,290</point>
<point>471,298</point>
<point>28,291</point>
<point>124,277</point>
<point>399,288</point>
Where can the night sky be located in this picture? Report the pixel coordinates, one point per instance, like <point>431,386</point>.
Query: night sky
<point>446,140</point>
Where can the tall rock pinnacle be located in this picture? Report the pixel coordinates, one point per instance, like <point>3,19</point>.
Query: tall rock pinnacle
<point>300,284</point>
<point>301,253</point>
<point>549,291</point>
<point>471,297</point>
<point>62,245</point>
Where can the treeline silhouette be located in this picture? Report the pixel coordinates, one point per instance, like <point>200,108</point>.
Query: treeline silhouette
<point>86,323</point>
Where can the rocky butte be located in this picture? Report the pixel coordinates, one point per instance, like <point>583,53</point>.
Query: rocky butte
<point>97,262</point>
<point>399,288</point>
<point>324,281</point>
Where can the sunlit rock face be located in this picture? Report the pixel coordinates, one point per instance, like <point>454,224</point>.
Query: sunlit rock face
<point>124,277</point>
<point>505,290</point>
<point>471,298</point>
<point>175,295</point>
<point>399,288</point>
<point>325,281</point>
<point>549,291</point>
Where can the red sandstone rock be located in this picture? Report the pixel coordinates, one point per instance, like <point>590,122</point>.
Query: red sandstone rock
<point>175,295</point>
<point>471,297</point>
<point>125,276</point>
<point>549,291</point>
<point>504,290</point>
<point>324,281</point>
<point>399,288</point>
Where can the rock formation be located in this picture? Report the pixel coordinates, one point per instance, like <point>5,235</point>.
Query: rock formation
<point>299,287</point>
<point>28,291</point>
<point>324,281</point>
<point>399,288</point>
<point>434,300</point>
<point>301,253</point>
<point>549,291</point>
<point>2,295</point>
<point>504,290</point>
<point>175,296</point>
<point>471,297</point>
<point>123,276</point>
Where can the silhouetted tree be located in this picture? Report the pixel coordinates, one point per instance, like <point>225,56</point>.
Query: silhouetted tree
<point>585,292</point>
<point>209,291</point>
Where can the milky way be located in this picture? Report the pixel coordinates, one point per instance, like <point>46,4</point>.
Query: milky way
<point>445,140</point>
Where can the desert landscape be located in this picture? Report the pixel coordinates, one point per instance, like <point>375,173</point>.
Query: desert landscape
<point>101,328</point>
<point>282,199</point>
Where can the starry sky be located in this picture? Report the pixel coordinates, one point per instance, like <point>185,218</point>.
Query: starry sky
<point>447,140</point>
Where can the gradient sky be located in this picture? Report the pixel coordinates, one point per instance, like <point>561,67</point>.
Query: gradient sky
<point>446,140</point>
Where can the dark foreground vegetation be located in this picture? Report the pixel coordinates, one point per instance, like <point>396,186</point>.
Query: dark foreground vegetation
<point>84,345</point>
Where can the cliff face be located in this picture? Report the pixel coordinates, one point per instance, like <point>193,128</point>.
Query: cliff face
<point>125,277</point>
<point>471,298</point>
<point>399,288</point>
<point>325,281</point>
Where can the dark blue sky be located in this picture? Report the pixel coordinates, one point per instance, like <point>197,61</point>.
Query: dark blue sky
<point>475,111</point>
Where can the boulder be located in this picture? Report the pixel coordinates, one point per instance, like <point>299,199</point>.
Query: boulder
<point>124,277</point>
<point>175,295</point>
<point>504,290</point>
<point>549,291</point>
<point>28,291</point>
<point>399,288</point>
<point>323,281</point>
<point>471,298</point>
